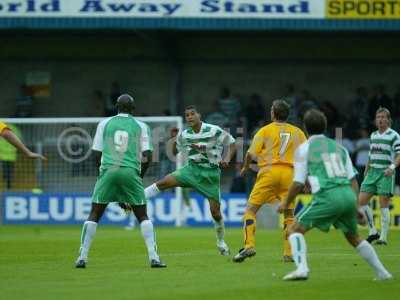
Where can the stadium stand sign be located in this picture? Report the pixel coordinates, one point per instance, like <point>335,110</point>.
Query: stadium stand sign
<point>201,14</point>
<point>162,8</point>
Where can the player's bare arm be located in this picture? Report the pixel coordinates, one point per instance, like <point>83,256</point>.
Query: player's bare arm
<point>390,170</point>
<point>246,164</point>
<point>16,142</point>
<point>228,155</point>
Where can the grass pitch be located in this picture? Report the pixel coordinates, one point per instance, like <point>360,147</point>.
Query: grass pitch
<point>37,262</point>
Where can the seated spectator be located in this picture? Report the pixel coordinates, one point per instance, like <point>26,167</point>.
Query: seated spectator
<point>396,111</point>
<point>115,92</point>
<point>378,99</point>
<point>255,112</point>
<point>99,104</point>
<point>24,103</point>
<point>291,98</point>
<point>217,117</point>
<point>230,107</point>
<point>332,116</point>
<point>358,109</point>
<point>307,101</point>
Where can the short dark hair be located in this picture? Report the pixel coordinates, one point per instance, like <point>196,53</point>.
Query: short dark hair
<point>315,121</point>
<point>385,110</point>
<point>281,109</point>
<point>191,107</point>
<point>125,103</point>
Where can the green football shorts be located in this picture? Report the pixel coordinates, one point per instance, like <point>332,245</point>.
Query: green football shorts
<point>337,207</point>
<point>119,185</point>
<point>376,183</point>
<point>204,180</point>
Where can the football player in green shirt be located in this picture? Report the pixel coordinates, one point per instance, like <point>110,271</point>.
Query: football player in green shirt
<point>124,144</point>
<point>328,168</point>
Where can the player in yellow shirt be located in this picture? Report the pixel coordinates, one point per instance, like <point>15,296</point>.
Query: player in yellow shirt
<point>273,148</point>
<point>10,137</point>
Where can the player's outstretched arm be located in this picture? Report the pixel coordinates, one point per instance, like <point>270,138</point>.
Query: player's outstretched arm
<point>246,164</point>
<point>16,142</point>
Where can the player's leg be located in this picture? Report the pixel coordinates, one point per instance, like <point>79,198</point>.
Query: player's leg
<point>215,210</point>
<point>261,193</point>
<point>249,233</point>
<point>347,222</point>
<point>299,248</point>
<point>320,213</point>
<point>385,219</point>
<point>367,190</point>
<point>88,233</point>
<point>167,182</point>
<point>286,178</point>
<point>131,191</point>
<point>287,222</point>
<point>147,229</point>
<point>363,200</point>
<point>184,177</point>
<point>368,253</point>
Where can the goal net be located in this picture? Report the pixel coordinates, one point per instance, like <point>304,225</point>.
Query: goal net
<point>71,165</point>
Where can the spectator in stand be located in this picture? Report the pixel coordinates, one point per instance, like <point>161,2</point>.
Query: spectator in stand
<point>362,152</point>
<point>255,112</point>
<point>291,98</point>
<point>306,101</point>
<point>359,116</point>
<point>378,99</point>
<point>98,103</point>
<point>115,92</point>
<point>396,112</point>
<point>332,116</point>
<point>230,107</point>
<point>24,103</point>
<point>217,117</point>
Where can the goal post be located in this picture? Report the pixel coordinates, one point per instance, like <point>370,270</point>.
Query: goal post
<point>71,167</point>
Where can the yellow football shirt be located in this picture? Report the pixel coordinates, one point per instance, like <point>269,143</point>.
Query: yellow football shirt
<point>275,144</point>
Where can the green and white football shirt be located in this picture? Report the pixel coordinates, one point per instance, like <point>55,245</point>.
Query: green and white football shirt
<point>205,147</point>
<point>383,148</point>
<point>325,163</point>
<point>122,139</point>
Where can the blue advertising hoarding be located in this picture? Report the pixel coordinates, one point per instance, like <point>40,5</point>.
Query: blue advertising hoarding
<point>74,208</point>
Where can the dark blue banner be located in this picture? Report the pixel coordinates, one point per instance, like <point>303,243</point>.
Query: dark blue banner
<point>73,208</point>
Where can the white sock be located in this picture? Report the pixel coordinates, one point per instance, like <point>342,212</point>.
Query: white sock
<point>370,219</point>
<point>368,253</point>
<point>299,249</point>
<point>87,235</point>
<point>151,191</point>
<point>149,238</point>
<point>385,223</point>
<point>219,230</point>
